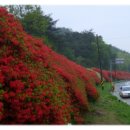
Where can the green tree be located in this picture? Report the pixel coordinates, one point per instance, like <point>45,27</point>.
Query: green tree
<point>34,21</point>
<point>78,46</point>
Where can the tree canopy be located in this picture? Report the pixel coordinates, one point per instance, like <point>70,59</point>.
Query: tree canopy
<point>78,46</point>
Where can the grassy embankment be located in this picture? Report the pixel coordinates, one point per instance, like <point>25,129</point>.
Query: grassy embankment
<point>108,109</point>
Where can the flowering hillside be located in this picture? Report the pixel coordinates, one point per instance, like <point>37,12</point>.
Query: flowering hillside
<point>37,85</point>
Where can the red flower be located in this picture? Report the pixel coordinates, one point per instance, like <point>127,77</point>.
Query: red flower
<point>16,85</point>
<point>1,105</point>
<point>1,78</point>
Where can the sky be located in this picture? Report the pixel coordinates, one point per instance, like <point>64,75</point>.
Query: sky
<point>112,22</point>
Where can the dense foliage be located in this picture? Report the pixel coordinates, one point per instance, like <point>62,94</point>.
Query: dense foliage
<point>37,85</point>
<point>80,47</point>
<point>114,75</point>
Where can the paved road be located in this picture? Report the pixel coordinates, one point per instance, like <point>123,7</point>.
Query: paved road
<point>116,92</point>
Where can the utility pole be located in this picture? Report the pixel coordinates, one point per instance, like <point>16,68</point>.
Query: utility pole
<point>115,70</point>
<point>110,63</point>
<point>111,69</point>
<point>99,57</point>
<point>118,61</point>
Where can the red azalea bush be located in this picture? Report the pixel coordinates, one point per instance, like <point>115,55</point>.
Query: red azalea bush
<point>37,85</point>
<point>105,74</point>
<point>94,75</point>
<point>119,75</point>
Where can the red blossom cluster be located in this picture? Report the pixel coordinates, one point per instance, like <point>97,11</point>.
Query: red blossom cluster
<point>94,75</point>
<point>119,75</point>
<point>37,85</point>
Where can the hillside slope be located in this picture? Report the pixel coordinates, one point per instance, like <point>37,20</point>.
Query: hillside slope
<point>37,85</point>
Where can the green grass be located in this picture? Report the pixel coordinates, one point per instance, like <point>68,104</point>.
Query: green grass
<point>108,109</point>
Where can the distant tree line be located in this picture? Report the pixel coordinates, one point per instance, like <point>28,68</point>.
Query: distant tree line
<point>80,47</point>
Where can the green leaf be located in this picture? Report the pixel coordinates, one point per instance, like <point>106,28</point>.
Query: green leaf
<point>0,85</point>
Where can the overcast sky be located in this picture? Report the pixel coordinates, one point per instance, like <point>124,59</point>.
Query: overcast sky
<point>112,22</point>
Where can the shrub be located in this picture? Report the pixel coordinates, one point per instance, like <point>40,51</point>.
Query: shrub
<point>37,85</point>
